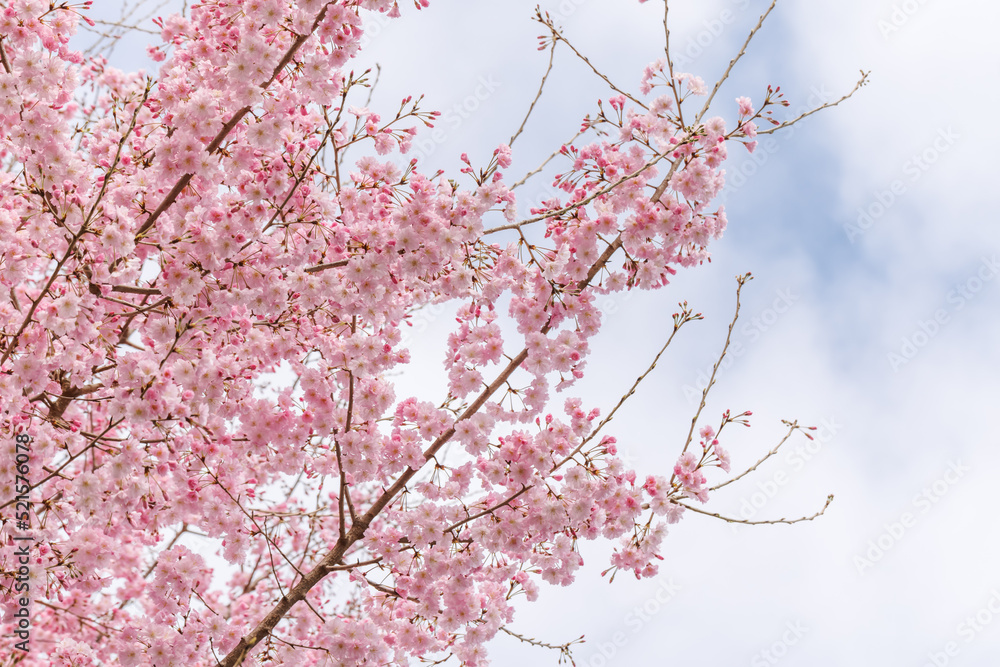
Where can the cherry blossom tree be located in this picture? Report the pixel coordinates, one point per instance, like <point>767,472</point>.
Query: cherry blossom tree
<point>171,245</point>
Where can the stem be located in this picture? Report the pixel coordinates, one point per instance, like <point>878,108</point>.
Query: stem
<point>582,202</point>
<point>538,96</point>
<point>829,499</point>
<point>791,429</point>
<point>741,280</point>
<point>732,63</point>
<point>860,84</point>
<point>228,127</point>
<point>624,398</point>
<point>332,560</point>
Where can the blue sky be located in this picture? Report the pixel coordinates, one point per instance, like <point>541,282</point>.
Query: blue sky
<point>923,274</point>
<point>890,432</point>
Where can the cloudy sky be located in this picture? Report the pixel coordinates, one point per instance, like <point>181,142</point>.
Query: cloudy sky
<point>871,231</point>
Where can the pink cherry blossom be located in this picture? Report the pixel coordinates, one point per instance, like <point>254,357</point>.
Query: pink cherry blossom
<point>207,273</point>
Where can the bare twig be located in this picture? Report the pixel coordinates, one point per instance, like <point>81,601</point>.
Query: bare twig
<point>829,499</point>
<point>564,649</point>
<point>792,427</point>
<point>371,90</point>
<point>861,82</point>
<point>679,320</point>
<point>732,63</point>
<point>539,168</point>
<point>538,96</point>
<point>740,280</point>
<point>557,35</point>
<point>124,26</point>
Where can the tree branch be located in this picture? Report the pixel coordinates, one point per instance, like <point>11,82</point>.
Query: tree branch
<point>829,499</point>
<point>333,559</point>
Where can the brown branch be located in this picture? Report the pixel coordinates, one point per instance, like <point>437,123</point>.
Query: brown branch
<point>740,280</point>
<point>128,289</point>
<point>71,246</point>
<point>298,181</point>
<point>345,493</point>
<point>333,559</point>
<point>324,267</point>
<point>227,128</point>
<point>582,202</point>
<point>564,649</point>
<point>3,57</point>
<point>861,82</point>
<point>488,510</point>
<point>732,63</point>
<point>69,393</point>
<point>538,96</point>
<point>679,320</point>
<point>557,35</point>
<point>44,293</point>
<point>829,499</point>
<point>792,427</point>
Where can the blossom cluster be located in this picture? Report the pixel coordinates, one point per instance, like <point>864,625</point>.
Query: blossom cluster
<point>170,246</point>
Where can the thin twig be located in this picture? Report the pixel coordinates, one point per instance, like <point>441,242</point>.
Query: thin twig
<point>679,320</point>
<point>732,63</point>
<point>125,27</point>
<point>792,427</point>
<point>740,280</point>
<point>538,96</point>
<point>861,82</point>
<point>728,519</point>
<point>564,649</point>
<point>539,168</point>
<point>488,510</point>
<point>576,205</point>
<point>72,458</point>
<point>557,35</point>
<point>371,89</point>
